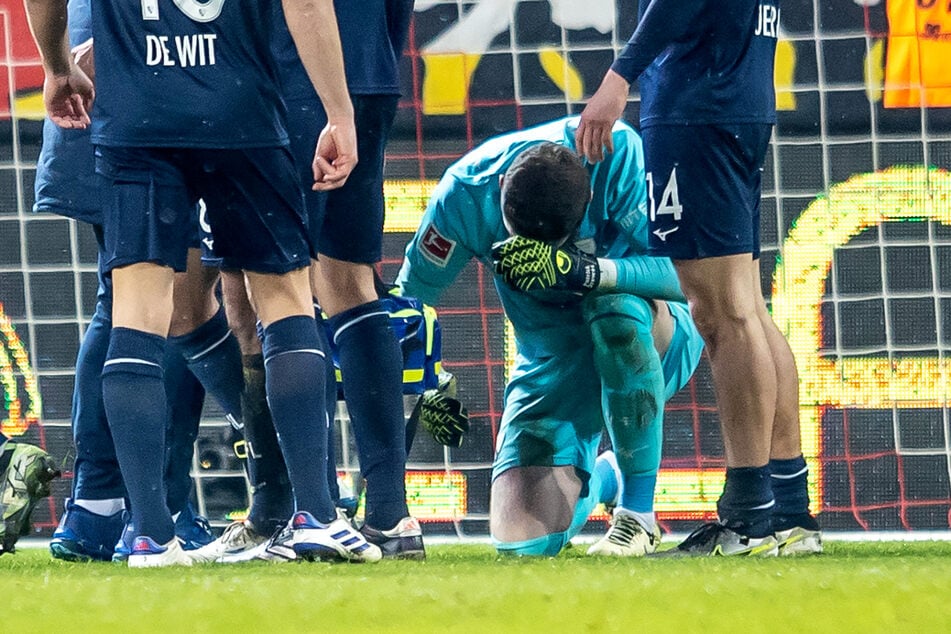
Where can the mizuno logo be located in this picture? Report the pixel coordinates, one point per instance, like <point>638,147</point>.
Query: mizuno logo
<point>663,234</point>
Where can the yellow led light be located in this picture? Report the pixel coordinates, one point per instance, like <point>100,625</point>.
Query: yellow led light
<point>912,193</point>
<point>406,201</point>
<point>13,359</point>
<point>437,496</point>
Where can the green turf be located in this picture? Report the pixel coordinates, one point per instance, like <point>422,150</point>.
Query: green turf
<point>883,587</point>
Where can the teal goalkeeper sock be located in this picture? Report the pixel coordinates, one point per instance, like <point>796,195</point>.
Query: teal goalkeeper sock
<point>544,546</point>
<point>632,391</point>
<point>637,493</point>
<point>606,469</point>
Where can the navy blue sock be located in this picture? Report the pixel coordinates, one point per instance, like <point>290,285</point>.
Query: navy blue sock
<point>371,365</point>
<point>789,480</point>
<point>96,474</point>
<point>213,355</point>
<point>296,379</point>
<point>185,399</point>
<point>746,505</point>
<point>134,396</point>
<point>272,503</point>
<point>331,391</point>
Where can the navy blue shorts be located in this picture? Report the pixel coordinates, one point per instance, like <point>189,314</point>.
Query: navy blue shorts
<point>345,223</point>
<point>704,185</point>
<point>255,208</point>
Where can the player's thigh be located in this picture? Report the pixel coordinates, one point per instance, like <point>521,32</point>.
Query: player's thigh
<point>255,208</point>
<point>351,228</point>
<point>275,297</point>
<point>552,414</point>
<point>241,317</point>
<point>684,350</point>
<point>147,207</point>
<point>194,295</point>
<point>339,285</point>
<point>704,186</point>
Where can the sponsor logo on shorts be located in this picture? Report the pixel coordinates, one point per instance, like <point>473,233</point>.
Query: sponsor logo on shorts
<point>435,247</point>
<point>663,234</point>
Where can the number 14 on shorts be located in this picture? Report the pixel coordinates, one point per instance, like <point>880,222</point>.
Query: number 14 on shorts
<point>669,203</point>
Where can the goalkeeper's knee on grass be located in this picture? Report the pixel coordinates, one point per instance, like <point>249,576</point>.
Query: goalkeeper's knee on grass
<point>551,544</point>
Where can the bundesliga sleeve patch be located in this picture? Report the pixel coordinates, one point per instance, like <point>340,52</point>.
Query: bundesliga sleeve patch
<point>436,247</point>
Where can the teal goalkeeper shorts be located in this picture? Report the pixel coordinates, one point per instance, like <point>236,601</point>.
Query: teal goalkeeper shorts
<point>552,415</point>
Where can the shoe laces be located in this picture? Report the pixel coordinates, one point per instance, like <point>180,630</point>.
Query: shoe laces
<point>624,530</point>
<point>702,536</point>
<point>237,534</point>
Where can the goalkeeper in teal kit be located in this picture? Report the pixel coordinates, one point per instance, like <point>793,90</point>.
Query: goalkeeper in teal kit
<point>603,335</point>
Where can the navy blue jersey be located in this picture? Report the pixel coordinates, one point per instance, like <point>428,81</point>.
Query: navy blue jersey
<point>704,61</point>
<point>186,73</point>
<point>372,35</point>
<point>66,182</point>
<point>80,21</point>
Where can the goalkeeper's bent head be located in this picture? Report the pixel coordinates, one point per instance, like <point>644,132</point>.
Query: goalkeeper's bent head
<point>545,192</point>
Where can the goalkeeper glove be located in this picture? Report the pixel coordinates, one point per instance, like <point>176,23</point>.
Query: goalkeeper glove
<point>531,265</point>
<point>442,414</point>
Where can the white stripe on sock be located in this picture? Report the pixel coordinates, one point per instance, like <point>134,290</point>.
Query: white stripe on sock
<point>199,355</point>
<point>105,508</point>
<point>306,350</point>
<point>353,322</point>
<point>131,360</point>
<point>790,476</point>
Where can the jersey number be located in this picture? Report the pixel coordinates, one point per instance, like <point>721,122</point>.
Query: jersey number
<point>669,201</point>
<point>196,10</point>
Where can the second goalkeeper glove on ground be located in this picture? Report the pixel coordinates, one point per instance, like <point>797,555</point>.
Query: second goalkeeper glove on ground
<point>442,414</point>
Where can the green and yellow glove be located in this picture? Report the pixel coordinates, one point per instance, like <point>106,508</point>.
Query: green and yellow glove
<point>531,266</point>
<point>442,414</point>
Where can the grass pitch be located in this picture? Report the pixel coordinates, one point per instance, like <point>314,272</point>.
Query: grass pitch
<point>879,587</point>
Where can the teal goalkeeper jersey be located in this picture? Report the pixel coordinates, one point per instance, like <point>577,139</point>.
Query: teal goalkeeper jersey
<point>464,219</point>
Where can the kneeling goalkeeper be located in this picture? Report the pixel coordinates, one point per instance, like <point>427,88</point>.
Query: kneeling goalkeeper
<point>603,335</point>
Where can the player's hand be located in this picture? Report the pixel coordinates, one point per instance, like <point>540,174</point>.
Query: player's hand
<point>335,156</point>
<point>533,266</point>
<point>597,119</point>
<point>68,98</point>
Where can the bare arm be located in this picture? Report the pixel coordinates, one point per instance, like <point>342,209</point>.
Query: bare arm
<point>313,25</point>
<point>663,22</point>
<point>67,92</point>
